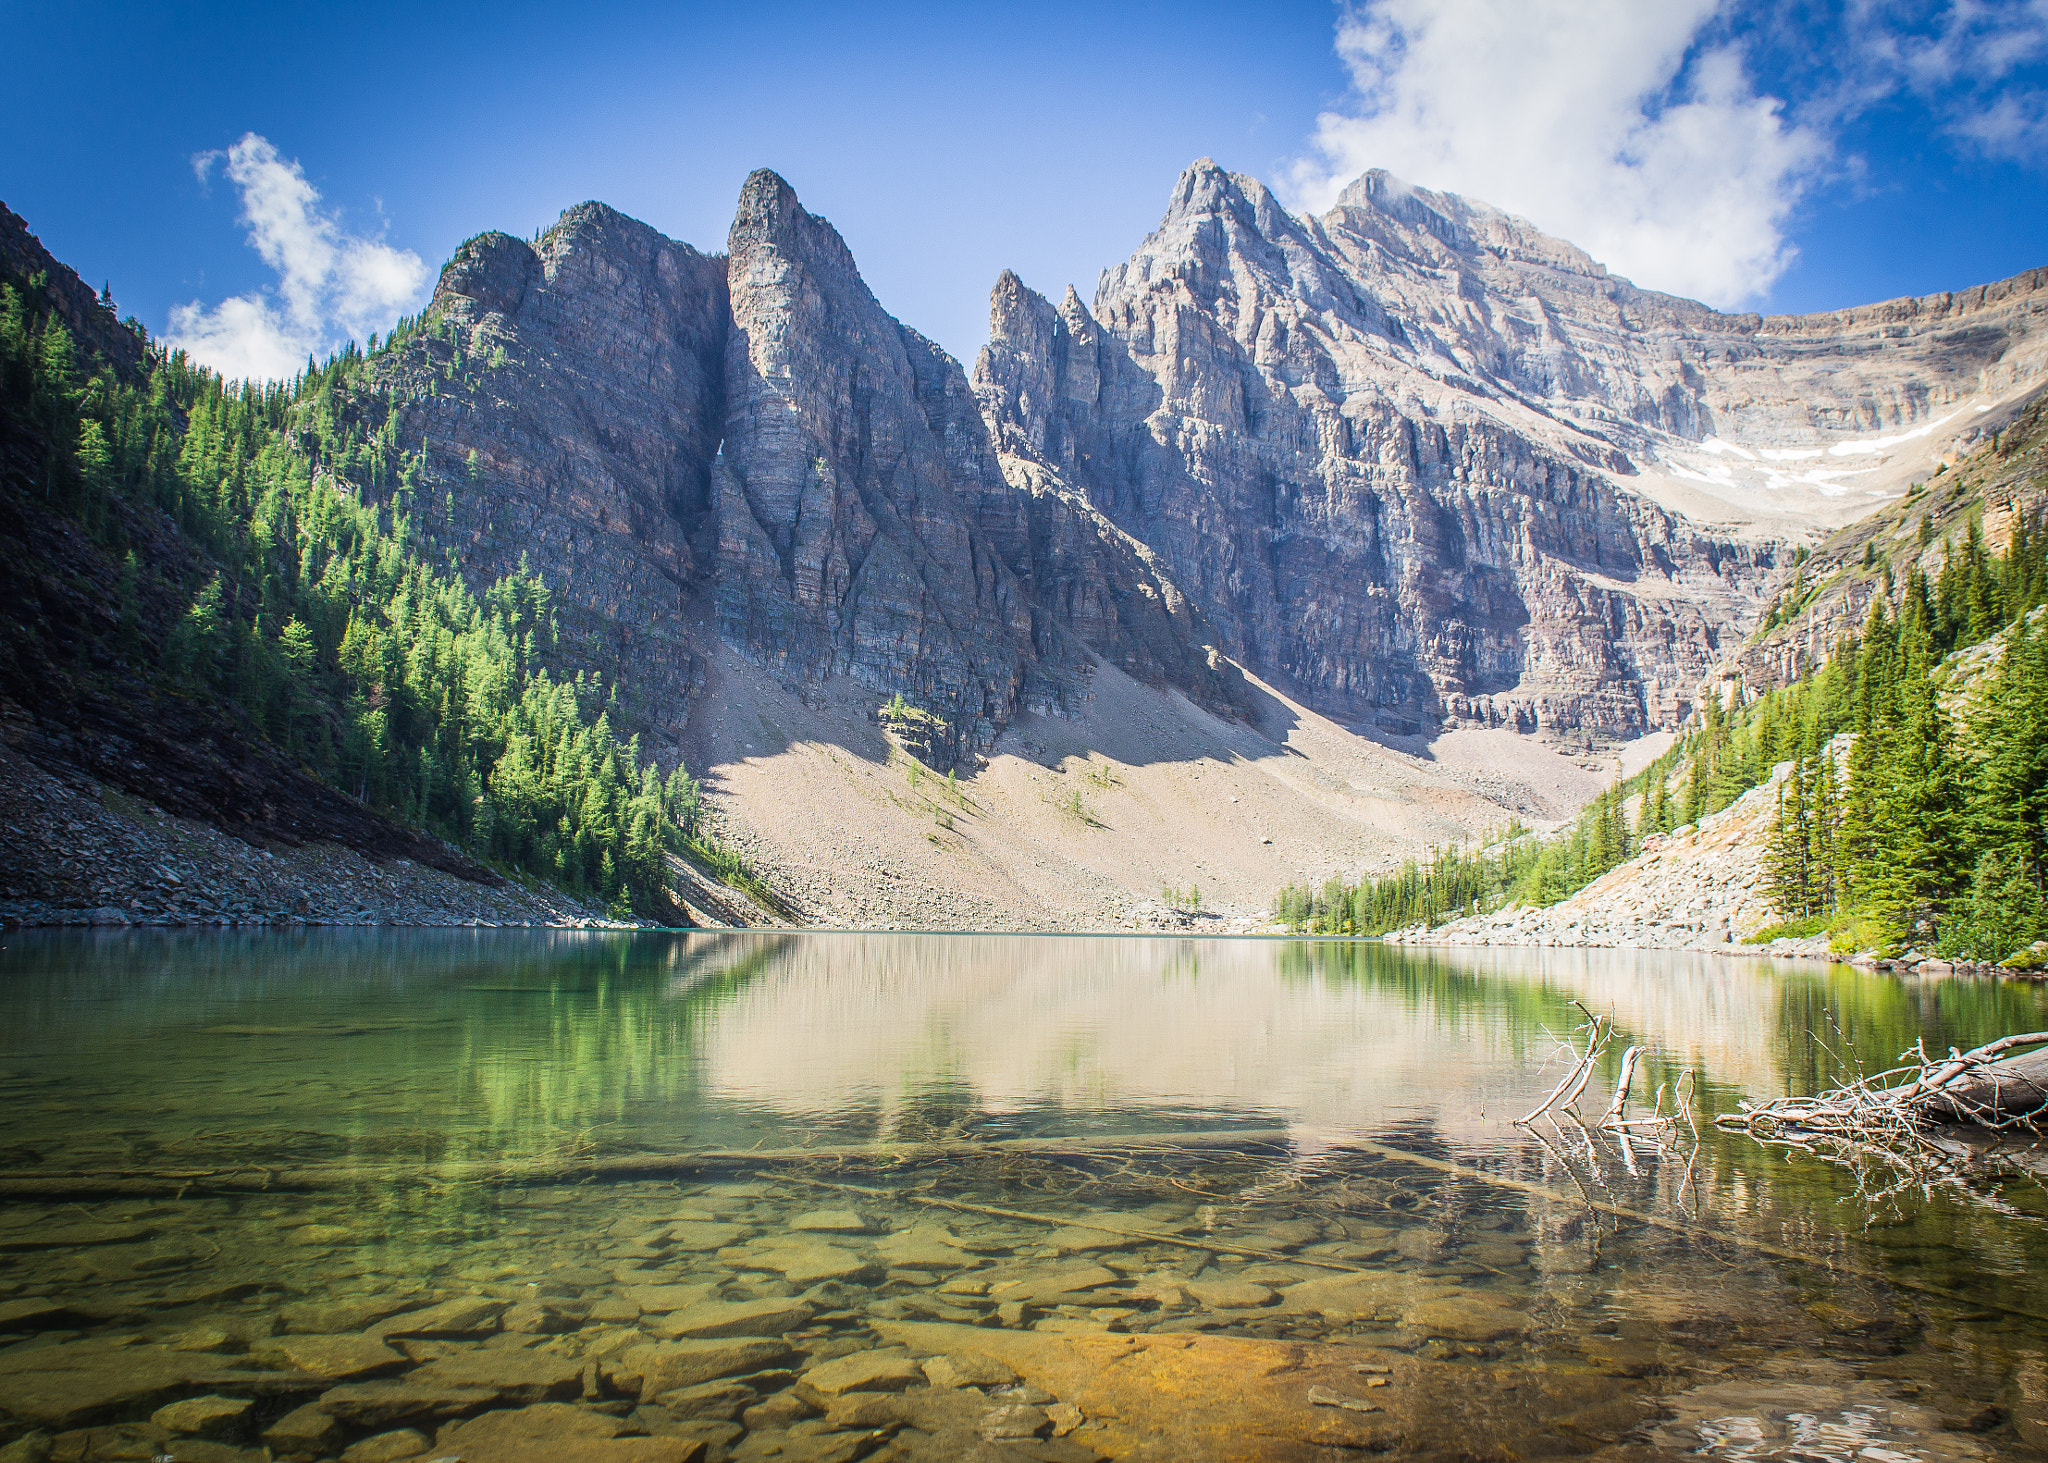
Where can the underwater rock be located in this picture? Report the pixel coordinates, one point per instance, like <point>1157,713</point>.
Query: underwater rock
<point>863,1371</point>
<point>716,1318</point>
<point>559,1433</point>
<point>388,1447</point>
<point>654,1367</point>
<point>205,1417</point>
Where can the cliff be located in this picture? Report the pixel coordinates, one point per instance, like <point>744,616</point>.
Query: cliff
<point>1427,467</point>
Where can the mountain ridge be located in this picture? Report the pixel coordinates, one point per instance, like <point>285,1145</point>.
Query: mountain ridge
<point>1410,467</point>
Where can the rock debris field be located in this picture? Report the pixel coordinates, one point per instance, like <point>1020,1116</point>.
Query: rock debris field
<point>73,853</point>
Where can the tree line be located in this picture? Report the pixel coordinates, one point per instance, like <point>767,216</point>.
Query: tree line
<point>1922,824</point>
<point>1928,824</point>
<point>319,614</point>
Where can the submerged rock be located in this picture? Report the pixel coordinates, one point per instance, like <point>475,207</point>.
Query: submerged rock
<point>558,1433</point>
<point>388,1447</point>
<point>205,1417</point>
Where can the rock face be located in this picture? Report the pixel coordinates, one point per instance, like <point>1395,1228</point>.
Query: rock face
<point>1413,461</point>
<point>671,437</point>
<point>1417,460</point>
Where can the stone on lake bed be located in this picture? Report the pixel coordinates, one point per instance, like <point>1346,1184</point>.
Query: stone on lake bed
<point>1185,1396</point>
<point>1043,1285</point>
<point>807,1264</point>
<point>1465,1316</point>
<point>337,1358</point>
<point>74,1384</point>
<point>967,1371</point>
<point>468,1316</point>
<point>654,1367</point>
<point>1225,1293</point>
<point>657,1300</point>
<point>328,1318</point>
<point>1013,1422</point>
<point>36,1313</point>
<point>714,1318</point>
<point>539,1318</point>
<point>513,1375</point>
<point>723,1400</point>
<point>1081,1239</point>
<point>320,1235</point>
<point>831,1221</point>
<point>555,1432</point>
<point>863,1371</point>
<point>304,1432</point>
<point>402,1403</point>
<point>923,1247</point>
<point>68,1236</point>
<point>1346,1296</point>
<point>698,1236</point>
<point>205,1417</point>
<point>388,1447</point>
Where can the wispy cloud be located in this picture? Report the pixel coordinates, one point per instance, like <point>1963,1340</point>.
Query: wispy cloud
<point>332,285</point>
<point>1974,63</point>
<point>1603,121</point>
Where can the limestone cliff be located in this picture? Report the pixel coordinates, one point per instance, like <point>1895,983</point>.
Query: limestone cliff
<point>1425,465</point>
<point>752,445</point>
<point>1412,460</point>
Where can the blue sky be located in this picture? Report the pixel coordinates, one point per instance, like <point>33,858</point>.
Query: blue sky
<point>1777,157</point>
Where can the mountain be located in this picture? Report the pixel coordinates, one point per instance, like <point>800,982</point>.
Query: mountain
<point>1263,565</point>
<point>1413,461</point>
<point>1422,462</point>
<point>751,446</point>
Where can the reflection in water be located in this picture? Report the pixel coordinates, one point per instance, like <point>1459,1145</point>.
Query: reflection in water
<point>1336,1112</point>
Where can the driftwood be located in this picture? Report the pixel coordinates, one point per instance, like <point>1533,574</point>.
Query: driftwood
<point>1979,1088</point>
<point>1599,1036</point>
<point>1992,1095</point>
<point>1933,1124</point>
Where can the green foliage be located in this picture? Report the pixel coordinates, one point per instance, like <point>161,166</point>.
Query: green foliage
<point>326,624</point>
<point>1935,831</point>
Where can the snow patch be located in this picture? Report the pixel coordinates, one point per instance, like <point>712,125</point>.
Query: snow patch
<point>1870,445</point>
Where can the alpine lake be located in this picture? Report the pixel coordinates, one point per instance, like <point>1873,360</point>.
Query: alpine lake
<point>651,1198</point>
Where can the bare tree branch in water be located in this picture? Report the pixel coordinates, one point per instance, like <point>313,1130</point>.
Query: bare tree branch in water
<point>1962,1123</point>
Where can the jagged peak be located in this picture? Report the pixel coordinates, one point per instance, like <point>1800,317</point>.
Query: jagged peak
<point>1463,225</point>
<point>770,216</point>
<point>1017,312</point>
<point>1203,188</point>
<point>767,196</point>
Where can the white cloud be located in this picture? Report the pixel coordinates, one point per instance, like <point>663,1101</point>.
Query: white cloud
<point>331,284</point>
<point>1611,123</point>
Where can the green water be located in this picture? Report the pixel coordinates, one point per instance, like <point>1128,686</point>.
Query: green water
<point>209,1138</point>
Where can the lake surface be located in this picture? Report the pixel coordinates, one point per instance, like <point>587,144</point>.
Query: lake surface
<point>919,1196</point>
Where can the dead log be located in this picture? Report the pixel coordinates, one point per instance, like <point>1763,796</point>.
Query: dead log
<point>1990,1094</point>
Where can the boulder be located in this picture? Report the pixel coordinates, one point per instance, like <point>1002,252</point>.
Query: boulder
<point>336,1358</point>
<point>304,1432</point>
<point>513,1376</point>
<point>468,1316</point>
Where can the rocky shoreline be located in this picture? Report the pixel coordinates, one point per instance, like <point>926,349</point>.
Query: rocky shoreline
<point>1700,889</point>
<point>74,852</point>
